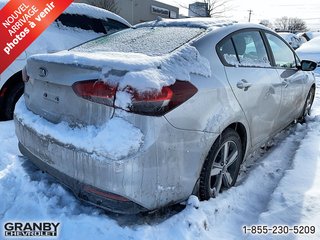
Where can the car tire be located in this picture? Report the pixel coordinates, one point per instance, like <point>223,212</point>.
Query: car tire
<point>220,172</point>
<point>13,96</point>
<point>307,105</point>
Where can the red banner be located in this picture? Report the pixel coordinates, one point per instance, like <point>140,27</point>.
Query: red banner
<point>21,22</point>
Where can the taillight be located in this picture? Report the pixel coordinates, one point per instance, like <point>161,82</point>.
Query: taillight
<point>157,104</point>
<point>95,91</point>
<point>145,103</point>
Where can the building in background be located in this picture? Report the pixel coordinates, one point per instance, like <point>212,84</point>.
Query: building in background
<point>198,9</point>
<point>137,11</point>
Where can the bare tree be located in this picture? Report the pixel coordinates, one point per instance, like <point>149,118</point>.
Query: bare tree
<point>291,24</point>
<point>266,22</point>
<point>109,5</point>
<point>216,8</point>
<point>297,25</point>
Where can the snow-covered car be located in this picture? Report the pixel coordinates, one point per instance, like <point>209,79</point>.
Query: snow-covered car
<point>309,35</point>
<point>293,40</point>
<point>310,50</point>
<point>78,24</point>
<point>145,117</point>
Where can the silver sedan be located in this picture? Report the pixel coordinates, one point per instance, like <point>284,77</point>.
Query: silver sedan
<point>146,117</point>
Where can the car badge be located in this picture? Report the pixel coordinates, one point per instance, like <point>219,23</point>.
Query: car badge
<point>43,72</point>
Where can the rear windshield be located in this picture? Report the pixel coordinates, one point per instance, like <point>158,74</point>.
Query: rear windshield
<point>152,41</point>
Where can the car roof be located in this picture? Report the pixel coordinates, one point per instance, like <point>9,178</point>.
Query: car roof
<point>286,34</point>
<point>206,23</point>
<point>186,22</point>
<point>88,10</point>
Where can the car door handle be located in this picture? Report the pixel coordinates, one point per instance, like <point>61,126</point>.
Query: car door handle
<point>244,84</point>
<point>285,83</point>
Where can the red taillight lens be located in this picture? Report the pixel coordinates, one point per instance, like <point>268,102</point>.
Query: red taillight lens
<point>158,104</point>
<point>165,94</point>
<point>95,91</point>
<point>104,194</point>
<point>146,103</point>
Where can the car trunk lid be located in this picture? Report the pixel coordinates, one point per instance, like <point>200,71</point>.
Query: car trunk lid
<point>49,93</point>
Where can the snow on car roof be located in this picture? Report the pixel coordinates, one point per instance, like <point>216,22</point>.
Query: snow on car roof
<point>312,46</point>
<point>286,34</point>
<point>312,35</point>
<point>94,12</point>
<point>88,10</point>
<point>187,22</point>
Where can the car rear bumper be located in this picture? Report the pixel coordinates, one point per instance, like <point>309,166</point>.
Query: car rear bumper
<point>163,172</point>
<point>90,194</point>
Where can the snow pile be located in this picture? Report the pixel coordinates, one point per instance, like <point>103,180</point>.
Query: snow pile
<point>165,71</point>
<point>114,140</point>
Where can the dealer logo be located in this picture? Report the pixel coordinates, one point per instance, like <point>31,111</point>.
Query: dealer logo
<point>31,229</point>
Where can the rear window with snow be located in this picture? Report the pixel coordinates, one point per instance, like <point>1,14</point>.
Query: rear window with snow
<point>154,41</point>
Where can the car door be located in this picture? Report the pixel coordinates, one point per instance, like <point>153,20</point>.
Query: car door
<point>255,83</point>
<point>293,80</point>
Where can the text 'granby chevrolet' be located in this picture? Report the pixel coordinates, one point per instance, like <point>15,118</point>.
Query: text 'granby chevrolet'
<point>28,229</point>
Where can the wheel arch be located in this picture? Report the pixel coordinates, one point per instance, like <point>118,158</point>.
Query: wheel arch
<point>243,134</point>
<point>12,81</point>
<point>7,87</point>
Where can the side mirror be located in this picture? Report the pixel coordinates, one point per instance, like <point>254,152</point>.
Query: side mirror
<point>307,65</point>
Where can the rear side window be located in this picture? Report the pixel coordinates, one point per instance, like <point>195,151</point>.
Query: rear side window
<point>245,49</point>
<point>228,52</point>
<point>283,56</point>
<point>86,23</point>
<point>82,22</point>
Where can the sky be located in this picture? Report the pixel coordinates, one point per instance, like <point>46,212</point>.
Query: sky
<point>309,11</point>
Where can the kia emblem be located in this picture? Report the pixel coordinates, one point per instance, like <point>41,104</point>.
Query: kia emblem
<point>43,72</point>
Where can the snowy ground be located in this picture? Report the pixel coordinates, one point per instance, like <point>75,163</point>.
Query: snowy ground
<point>279,187</point>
